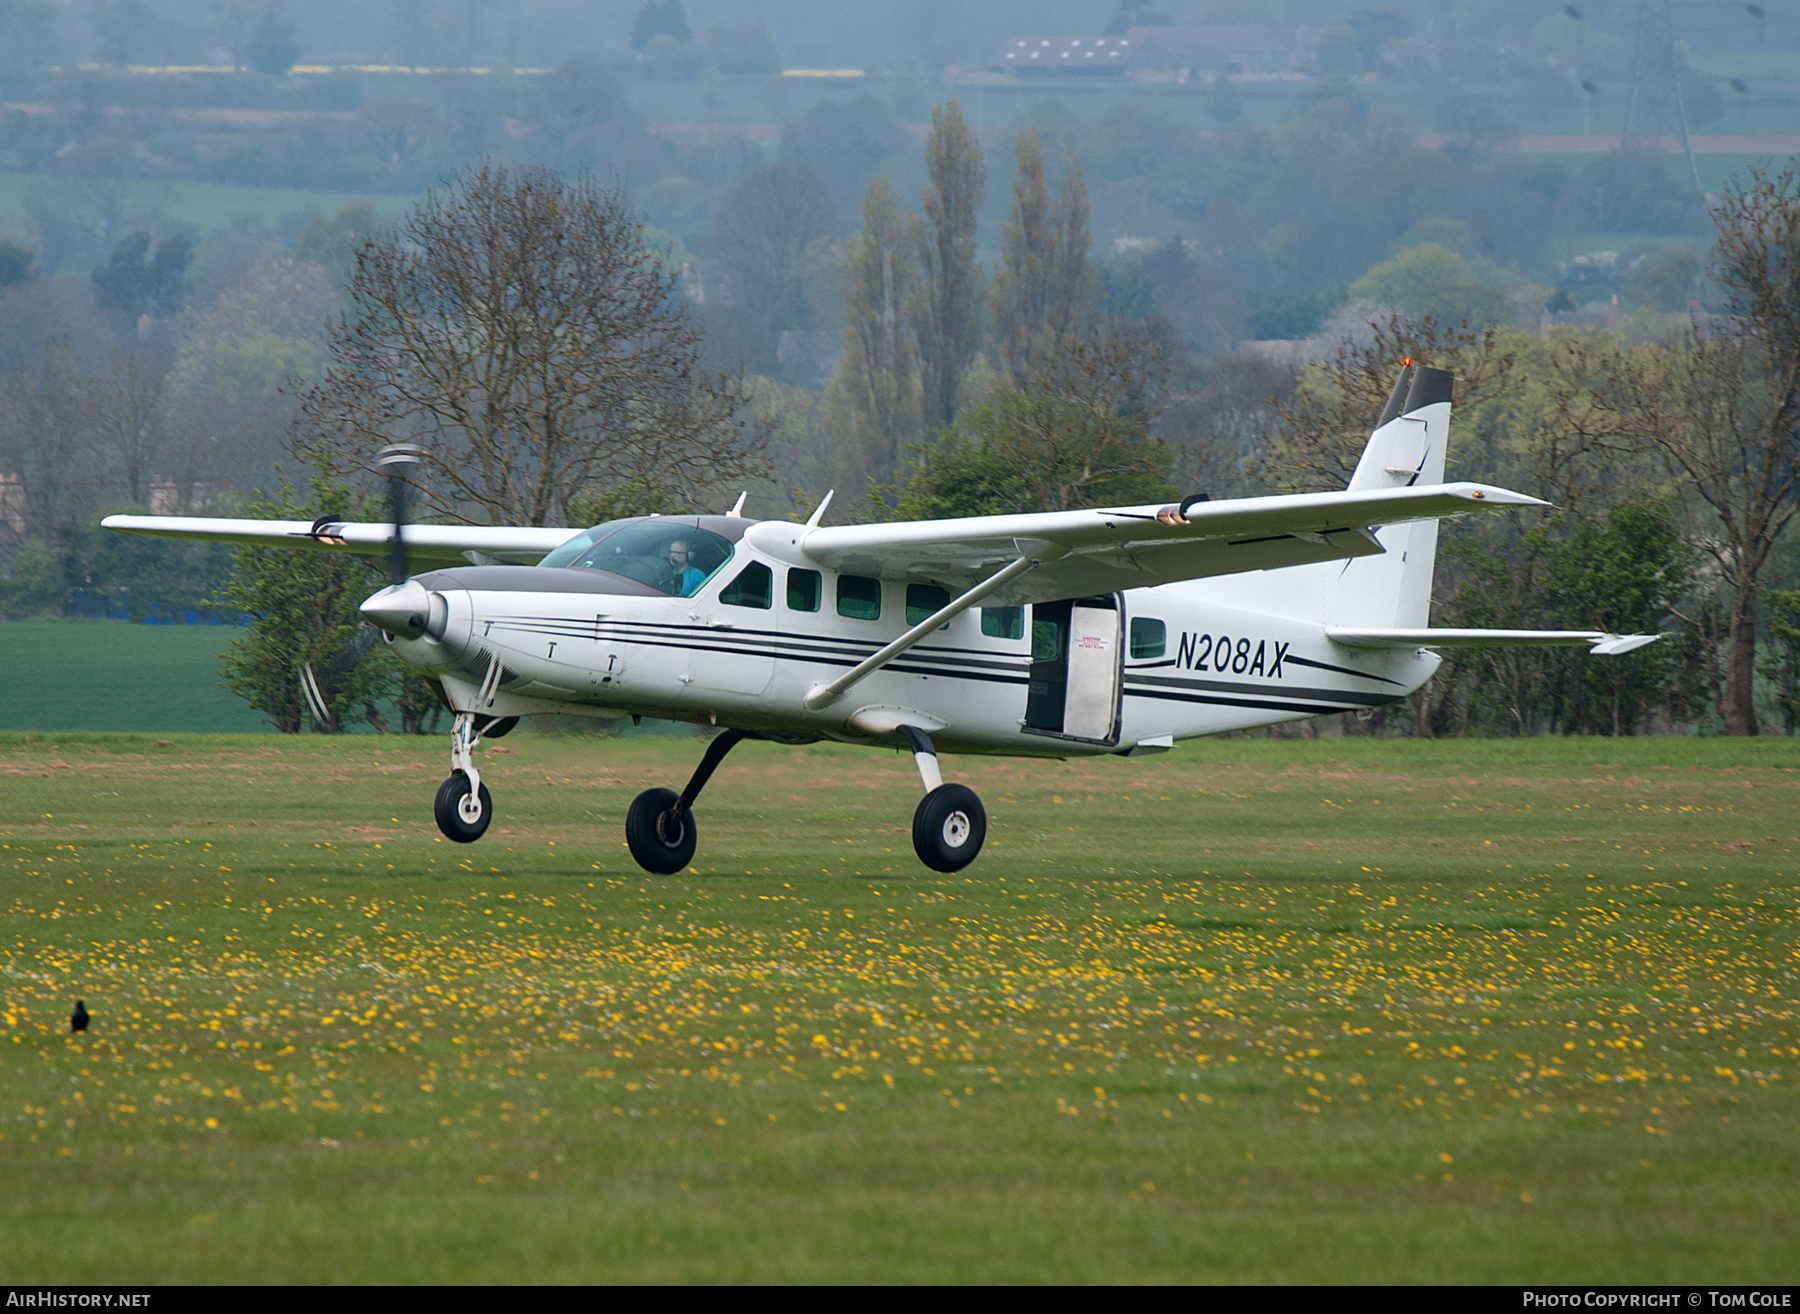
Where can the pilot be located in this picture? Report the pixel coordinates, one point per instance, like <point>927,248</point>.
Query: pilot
<point>686,576</point>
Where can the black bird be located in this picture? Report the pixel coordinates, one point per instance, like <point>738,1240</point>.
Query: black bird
<point>78,1020</point>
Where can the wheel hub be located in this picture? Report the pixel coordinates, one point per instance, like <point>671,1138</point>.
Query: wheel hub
<point>956,829</point>
<point>468,807</point>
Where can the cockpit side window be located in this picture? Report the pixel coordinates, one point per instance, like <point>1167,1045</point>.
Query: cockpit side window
<point>665,554</point>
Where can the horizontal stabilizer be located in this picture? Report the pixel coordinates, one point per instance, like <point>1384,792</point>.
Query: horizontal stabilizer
<point>1598,642</point>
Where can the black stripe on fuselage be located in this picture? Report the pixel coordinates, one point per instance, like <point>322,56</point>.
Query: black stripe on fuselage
<point>1270,704</point>
<point>1241,687</point>
<point>748,643</point>
<point>1337,670</point>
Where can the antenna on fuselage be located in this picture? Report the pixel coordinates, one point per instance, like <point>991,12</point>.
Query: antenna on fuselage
<point>812,521</point>
<point>737,507</point>
<point>396,462</point>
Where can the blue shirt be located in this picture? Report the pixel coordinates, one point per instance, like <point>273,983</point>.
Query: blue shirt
<point>691,578</point>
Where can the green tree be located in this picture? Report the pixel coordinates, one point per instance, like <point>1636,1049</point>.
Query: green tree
<point>1076,435</point>
<point>948,316</point>
<point>875,391</point>
<point>1666,280</point>
<point>1044,289</point>
<point>137,281</point>
<point>741,49</point>
<point>659,18</point>
<point>18,263</point>
<point>1430,279</point>
<point>1780,660</point>
<point>126,32</point>
<point>27,37</point>
<point>1625,573</point>
<point>1224,103</point>
<point>303,616</point>
<point>1722,408</point>
<point>334,242</point>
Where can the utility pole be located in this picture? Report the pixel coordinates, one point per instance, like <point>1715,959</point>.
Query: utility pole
<point>1637,63</point>
<point>1680,106</point>
<point>1637,70</point>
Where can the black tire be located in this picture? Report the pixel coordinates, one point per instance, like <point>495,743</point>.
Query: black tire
<point>448,809</point>
<point>949,827</point>
<point>647,826</point>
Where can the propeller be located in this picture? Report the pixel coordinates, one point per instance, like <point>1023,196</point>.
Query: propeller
<point>316,687</point>
<point>397,462</point>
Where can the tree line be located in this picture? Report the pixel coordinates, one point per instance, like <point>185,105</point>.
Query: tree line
<point>541,344</point>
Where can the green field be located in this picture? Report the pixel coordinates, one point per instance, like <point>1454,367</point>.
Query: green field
<point>205,205</point>
<point>1296,1011</point>
<point>112,675</point>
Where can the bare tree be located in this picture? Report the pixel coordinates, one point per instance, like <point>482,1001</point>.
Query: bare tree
<point>1722,408</point>
<point>130,416</point>
<point>767,222</point>
<point>1325,422</point>
<point>46,416</point>
<point>516,324</point>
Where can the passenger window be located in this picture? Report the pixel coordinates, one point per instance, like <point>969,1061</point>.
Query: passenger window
<point>923,601</point>
<point>859,597</point>
<point>1149,638</point>
<point>1046,640</point>
<point>803,590</point>
<point>754,587</point>
<point>1003,622</point>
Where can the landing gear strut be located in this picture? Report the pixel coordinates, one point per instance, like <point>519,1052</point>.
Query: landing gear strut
<point>659,825</point>
<point>463,806</point>
<point>950,823</point>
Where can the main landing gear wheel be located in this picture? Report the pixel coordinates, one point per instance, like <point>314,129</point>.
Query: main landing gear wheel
<point>660,835</point>
<point>949,827</point>
<point>461,815</point>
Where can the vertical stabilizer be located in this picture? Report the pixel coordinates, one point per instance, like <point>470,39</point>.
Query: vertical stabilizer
<point>1405,451</point>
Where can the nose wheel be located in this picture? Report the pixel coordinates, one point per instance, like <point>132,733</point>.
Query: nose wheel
<point>463,811</point>
<point>463,806</point>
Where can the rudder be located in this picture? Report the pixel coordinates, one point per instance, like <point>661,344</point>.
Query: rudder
<point>1406,450</point>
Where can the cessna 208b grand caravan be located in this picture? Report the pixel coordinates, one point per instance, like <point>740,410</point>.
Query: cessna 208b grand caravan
<point>1064,634</point>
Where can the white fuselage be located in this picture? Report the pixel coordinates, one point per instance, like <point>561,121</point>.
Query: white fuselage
<point>1108,677</point>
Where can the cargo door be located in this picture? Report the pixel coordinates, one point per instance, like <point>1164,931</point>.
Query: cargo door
<point>1074,690</point>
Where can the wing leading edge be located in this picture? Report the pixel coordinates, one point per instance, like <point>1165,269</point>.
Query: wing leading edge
<point>433,544</point>
<point>1132,547</point>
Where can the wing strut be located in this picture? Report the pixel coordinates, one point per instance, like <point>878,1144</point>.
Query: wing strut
<point>1032,553</point>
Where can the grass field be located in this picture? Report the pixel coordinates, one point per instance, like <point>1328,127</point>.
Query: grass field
<point>107,674</point>
<point>1291,1011</point>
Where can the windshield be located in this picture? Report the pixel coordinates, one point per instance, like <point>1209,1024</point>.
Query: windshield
<point>665,554</point>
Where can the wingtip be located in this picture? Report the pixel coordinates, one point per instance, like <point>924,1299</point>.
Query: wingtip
<point>1497,496</point>
<point>1617,645</point>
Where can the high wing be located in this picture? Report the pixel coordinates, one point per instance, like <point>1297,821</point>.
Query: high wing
<point>1104,551</point>
<point>1599,643</point>
<point>425,544</point>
